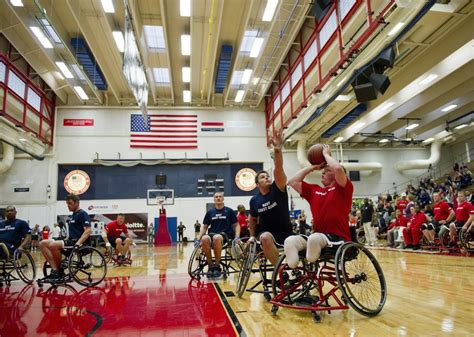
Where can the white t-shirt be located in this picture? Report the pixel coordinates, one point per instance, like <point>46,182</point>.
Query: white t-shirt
<point>55,231</point>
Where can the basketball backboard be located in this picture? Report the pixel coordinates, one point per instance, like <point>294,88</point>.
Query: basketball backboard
<point>155,196</point>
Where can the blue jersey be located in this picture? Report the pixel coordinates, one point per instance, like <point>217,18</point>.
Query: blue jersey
<point>77,221</point>
<point>272,211</point>
<point>12,232</point>
<point>220,220</point>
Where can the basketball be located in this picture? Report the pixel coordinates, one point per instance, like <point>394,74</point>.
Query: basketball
<point>315,154</point>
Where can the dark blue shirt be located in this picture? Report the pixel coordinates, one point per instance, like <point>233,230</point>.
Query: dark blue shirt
<point>77,221</point>
<point>13,231</point>
<point>220,220</point>
<point>272,211</point>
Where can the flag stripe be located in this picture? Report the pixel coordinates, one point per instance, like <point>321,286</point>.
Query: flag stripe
<point>163,147</point>
<point>212,123</point>
<point>173,116</point>
<point>161,126</point>
<point>174,120</point>
<point>163,141</point>
<point>163,136</point>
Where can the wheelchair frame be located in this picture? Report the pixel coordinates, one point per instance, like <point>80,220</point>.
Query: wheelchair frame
<point>110,256</point>
<point>73,264</point>
<point>16,263</point>
<point>329,269</point>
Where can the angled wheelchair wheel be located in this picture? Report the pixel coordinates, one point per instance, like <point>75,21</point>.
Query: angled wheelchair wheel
<point>466,239</point>
<point>360,279</point>
<point>248,256</point>
<point>87,266</point>
<point>294,283</point>
<point>237,251</point>
<point>24,266</point>
<point>107,252</point>
<point>360,235</point>
<point>196,263</point>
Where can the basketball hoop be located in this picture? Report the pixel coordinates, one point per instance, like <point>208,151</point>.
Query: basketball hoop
<point>160,200</point>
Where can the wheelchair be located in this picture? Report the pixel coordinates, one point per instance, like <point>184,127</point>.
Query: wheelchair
<point>111,257</point>
<point>197,261</point>
<point>350,269</point>
<point>84,265</point>
<point>254,261</point>
<point>21,262</point>
<point>466,239</point>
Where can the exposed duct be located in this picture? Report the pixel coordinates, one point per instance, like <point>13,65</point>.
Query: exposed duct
<point>8,158</point>
<point>418,164</point>
<point>24,142</point>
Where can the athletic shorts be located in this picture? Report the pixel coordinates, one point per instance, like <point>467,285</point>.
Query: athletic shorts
<point>279,237</point>
<point>459,224</point>
<point>113,238</point>
<point>226,237</point>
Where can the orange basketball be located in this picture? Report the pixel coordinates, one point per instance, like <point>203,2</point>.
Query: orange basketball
<point>315,154</point>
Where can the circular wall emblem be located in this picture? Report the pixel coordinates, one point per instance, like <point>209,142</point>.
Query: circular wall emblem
<point>77,182</point>
<point>245,179</point>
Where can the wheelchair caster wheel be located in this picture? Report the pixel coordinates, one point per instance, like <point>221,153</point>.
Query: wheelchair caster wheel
<point>267,297</point>
<point>316,317</point>
<point>274,310</point>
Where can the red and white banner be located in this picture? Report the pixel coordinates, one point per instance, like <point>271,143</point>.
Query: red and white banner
<point>78,122</point>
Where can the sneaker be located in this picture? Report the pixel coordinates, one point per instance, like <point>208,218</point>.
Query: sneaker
<point>217,272</point>
<point>210,270</point>
<point>416,247</point>
<point>56,275</point>
<point>409,247</point>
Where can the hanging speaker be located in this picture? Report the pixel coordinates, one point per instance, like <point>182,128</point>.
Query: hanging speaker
<point>385,60</point>
<point>380,82</point>
<point>365,92</point>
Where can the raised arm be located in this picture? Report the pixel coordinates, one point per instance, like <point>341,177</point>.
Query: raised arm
<point>340,175</point>
<point>279,172</point>
<point>296,181</point>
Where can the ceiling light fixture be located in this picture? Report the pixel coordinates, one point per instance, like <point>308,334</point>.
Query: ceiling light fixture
<point>16,3</point>
<point>395,29</point>
<point>257,45</point>
<point>269,10</point>
<point>108,6</point>
<point>344,98</point>
<point>338,139</point>
<point>239,96</point>
<point>387,106</point>
<point>186,74</point>
<point>186,96</point>
<point>428,79</point>
<point>118,37</point>
<point>186,45</point>
<point>255,80</point>
<point>155,38</point>
<point>161,75</point>
<point>246,76</point>
<point>41,37</point>
<point>64,70</point>
<point>449,108</point>
<point>428,140</point>
<point>185,7</point>
<point>82,94</point>
<point>78,71</point>
<point>385,140</point>
<point>459,127</point>
<point>412,126</point>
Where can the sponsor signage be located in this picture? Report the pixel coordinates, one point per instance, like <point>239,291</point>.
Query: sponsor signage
<point>21,189</point>
<point>78,122</point>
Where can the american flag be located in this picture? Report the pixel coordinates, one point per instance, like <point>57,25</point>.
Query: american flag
<point>163,131</point>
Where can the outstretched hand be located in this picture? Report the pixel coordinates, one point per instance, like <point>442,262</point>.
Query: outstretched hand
<point>278,139</point>
<point>326,150</point>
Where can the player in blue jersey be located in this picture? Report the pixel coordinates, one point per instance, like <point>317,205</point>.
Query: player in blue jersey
<point>14,234</point>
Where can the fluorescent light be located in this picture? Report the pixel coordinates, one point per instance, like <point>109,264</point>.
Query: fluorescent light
<point>185,7</point>
<point>186,72</point>
<point>387,105</point>
<point>161,75</point>
<point>78,71</point>
<point>341,82</point>
<point>248,40</point>
<point>185,44</point>
<point>255,80</point>
<point>82,94</point>
<point>246,76</point>
<point>64,70</point>
<point>344,98</point>
<point>186,96</point>
<point>449,108</point>
<point>412,126</point>
<point>338,139</point>
<point>108,6</point>
<point>257,45</point>
<point>428,140</point>
<point>41,37</point>
<point>16,3</point>
<point>23,140</point>
<point>239,96</point>
<point>395,29</point>
<point>118,37</point>
<point>269,10</point>
<point>428,79</point>
<point>358,125</point>
<point>385,140</point>
<point>155,39</point>
<point>50,30</point>
<point>459,127</point>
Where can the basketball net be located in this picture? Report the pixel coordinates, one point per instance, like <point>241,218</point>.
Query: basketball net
<point>160,201</point>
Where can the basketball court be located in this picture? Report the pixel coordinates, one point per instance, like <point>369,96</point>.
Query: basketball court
<point>147,108</point>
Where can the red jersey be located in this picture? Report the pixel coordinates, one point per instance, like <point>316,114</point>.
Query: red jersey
<point>115,230</point>
<point>330,207</point>
<point>45,234</point>
<point>462,211</point>
<point>242,219</point>
<point>402,204</point>
<point>417,219</point>
<point>441,210</point>
<point>398,222</point>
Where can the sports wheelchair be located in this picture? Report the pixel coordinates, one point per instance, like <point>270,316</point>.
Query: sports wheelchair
<point>251,255</point>
<point>197,261</point>
<point>466,239</point>
<point>84,265</point>
<point>349,268</point>
<point>111,257</point>
<point>22,262</point>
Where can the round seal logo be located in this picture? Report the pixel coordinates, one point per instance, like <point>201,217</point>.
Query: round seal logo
<point>77,182</point>
<point>245,179</point>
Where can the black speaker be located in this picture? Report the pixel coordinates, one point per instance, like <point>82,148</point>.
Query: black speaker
<point>320,8</point>
<point>365,92</point>
<point>380,82</point>
<point>385,60</point>
<point>161,179</point>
